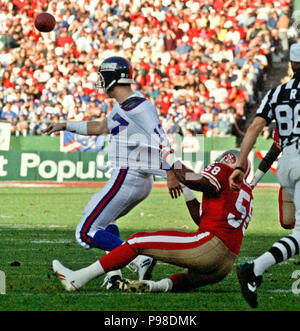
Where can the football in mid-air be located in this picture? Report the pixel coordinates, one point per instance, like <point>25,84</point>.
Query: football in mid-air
<point>45,22</point>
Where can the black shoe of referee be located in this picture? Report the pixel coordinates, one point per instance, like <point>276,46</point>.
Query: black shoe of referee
<point>249,282</point>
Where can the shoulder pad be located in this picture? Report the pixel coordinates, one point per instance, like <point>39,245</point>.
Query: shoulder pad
<point>132,103</point>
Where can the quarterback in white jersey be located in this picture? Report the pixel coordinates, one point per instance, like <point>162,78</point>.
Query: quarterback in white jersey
<point>136,136</point>
<point>134,152</point>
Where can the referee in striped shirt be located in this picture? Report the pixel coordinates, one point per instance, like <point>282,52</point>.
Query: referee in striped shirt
<point>281,104</point>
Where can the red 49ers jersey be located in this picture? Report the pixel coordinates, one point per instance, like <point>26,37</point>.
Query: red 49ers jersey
<point>227,214</point>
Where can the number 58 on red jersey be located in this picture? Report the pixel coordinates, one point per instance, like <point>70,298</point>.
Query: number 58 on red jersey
<point>228,213</point>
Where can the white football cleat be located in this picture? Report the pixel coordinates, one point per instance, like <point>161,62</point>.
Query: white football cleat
<point>66,277</point>
<point>133,286</point>
<point>111,280</point>
<point>143,265</point>
<point>142,286</point>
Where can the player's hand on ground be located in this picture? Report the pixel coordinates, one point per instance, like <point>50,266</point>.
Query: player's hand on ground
<point>174,186</point>
<point>236,179</point>
<point>54,127</point>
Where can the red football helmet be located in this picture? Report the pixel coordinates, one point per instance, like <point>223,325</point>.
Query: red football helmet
<point>230,158</point>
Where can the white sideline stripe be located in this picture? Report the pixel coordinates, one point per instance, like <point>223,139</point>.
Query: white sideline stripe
<point>7,185</point>
<point>279,290</point>
<point>69,184</point>
<point>29,226</point>
<point>168,239</point>
<point>62,241</point>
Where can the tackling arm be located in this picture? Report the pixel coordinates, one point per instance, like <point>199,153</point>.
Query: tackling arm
<point>186,176</point>
<point>192,204</point>
<point>191,179</point>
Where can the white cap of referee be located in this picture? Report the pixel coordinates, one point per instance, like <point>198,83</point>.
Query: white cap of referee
<point>295,52</point>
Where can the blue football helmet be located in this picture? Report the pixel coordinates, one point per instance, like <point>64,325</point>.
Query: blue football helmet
<point>114,70</point>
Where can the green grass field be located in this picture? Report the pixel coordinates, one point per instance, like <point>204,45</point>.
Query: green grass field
<point>37,225</point>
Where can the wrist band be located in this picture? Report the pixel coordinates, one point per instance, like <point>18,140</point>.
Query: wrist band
<point>77,127</point>
<point>239,168</point>
<point>257,177</point>
<point>188,194</point>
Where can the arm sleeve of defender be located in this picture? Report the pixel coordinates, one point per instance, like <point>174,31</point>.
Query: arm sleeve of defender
<point>193,205</point>
<point>194,181</point>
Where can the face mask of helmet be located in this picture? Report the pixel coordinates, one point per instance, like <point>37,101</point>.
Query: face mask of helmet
<point>105,80</point>
<point>112,71</point>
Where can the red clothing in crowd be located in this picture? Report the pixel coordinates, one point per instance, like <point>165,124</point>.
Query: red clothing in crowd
<point>64,39</point>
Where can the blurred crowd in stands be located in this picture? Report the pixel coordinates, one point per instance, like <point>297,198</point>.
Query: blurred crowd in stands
<point>202,63</point>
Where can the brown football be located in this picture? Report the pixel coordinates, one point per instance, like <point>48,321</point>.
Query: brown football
<point>45,22</point>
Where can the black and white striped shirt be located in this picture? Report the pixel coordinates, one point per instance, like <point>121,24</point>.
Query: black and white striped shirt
<point>282,104</point>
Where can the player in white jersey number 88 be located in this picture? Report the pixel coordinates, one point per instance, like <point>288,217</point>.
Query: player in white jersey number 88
<point>281,104</point>
<point>135,131</point>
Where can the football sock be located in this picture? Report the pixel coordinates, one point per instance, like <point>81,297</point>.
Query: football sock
<point>179,282</point>
<point>114,260</point>
<point>106,240</point>
<point>113,228</point>
<point>118,258</point>
<point>85,275</point>
<point>262,263</point>
<point>281,250</point>
<point>163,285</point>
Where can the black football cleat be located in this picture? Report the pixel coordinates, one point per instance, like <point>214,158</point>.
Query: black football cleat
<point>249,282</point>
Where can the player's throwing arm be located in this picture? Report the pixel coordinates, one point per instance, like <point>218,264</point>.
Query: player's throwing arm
<point>85,128</point>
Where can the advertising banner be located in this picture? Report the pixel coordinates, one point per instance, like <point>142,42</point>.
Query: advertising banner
<point>52,166</point>
<point>4,136</point>
<point>83,166</point>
